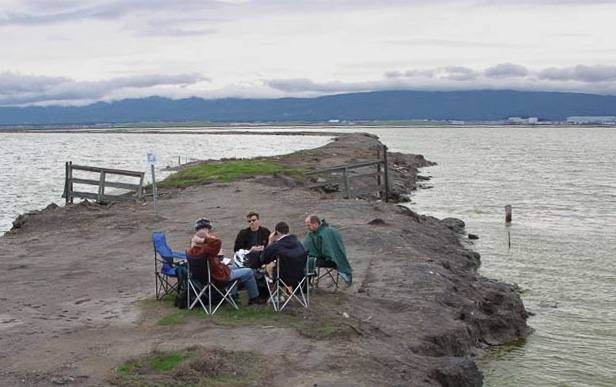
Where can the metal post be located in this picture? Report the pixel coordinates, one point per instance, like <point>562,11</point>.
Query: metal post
<point>508,213</point>
<point>154,193</point>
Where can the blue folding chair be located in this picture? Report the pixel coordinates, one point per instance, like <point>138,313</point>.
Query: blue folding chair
<point>164,265</point>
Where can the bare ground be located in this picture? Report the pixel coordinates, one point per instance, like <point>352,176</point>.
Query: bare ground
<point>74,279</point>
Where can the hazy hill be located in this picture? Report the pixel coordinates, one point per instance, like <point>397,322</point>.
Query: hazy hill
<point>382,105</point>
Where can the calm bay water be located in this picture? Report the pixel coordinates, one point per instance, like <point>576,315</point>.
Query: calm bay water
<point>32,164</point>
<point>561,183</point>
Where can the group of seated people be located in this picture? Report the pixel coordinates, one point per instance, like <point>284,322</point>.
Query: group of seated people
<point>257,251</point>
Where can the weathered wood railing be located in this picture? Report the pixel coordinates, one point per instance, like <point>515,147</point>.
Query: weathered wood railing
<point>102,183</point>
<point>381,175</point>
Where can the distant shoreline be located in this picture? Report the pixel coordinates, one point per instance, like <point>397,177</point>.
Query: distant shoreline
<point>181,128</point>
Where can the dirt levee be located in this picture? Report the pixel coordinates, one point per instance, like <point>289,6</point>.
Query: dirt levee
<point>74,279</point>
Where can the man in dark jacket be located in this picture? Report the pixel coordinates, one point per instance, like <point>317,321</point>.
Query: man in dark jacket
<point>288,252</point>
<point>252,237</point>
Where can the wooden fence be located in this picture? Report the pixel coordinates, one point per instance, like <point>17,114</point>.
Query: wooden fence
<point>102,183</point>
<point>348,178</point>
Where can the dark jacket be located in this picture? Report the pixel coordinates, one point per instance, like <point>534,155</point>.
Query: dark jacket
<point>242,241</point>
<point>291,255</point>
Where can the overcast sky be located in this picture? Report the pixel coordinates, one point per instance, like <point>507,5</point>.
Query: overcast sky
<point>81,51</point>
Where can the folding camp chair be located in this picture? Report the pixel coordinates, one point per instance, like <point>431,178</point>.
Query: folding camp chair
<point>329,269</point>
<point>201,285</point>
<point>164,265</point>
<point>281,292</point>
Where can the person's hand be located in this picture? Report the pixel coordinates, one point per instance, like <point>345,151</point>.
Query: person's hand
<point>196,240</point>
<point>271,238</point>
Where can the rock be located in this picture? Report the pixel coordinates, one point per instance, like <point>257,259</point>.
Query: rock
<point>376,222</point>
<point>52,206</point>
<point>455,224</point>
<point>62,380</point>
<point>20,221</point>
<point>473,236</point>
<point>548,304</point>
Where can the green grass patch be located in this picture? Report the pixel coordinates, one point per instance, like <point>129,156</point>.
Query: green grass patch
<point>317,322</point>
<point>165,362</point>
<point>177,317</point>
<point>227,171</point>
<point>194,366</point>
<point>156,363</point>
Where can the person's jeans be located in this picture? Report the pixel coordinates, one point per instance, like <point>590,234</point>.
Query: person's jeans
<point>246,278</point>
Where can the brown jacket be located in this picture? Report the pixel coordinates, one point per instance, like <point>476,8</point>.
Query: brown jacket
<point>210,249</point>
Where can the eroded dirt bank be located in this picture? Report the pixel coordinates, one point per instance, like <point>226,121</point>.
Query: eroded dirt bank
<point>73,279</point>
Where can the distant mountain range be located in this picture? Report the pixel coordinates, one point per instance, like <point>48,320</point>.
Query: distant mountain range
<point>381,105</point>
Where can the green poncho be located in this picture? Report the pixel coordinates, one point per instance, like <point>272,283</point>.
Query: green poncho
<point>326,243</point>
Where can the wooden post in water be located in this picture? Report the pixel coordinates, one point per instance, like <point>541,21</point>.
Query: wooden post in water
<point>508,213</point>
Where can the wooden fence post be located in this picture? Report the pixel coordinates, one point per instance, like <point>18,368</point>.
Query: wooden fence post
<point>101,187</point>
<point>508,213</point>
<point>347,183</point>
<point>378,170</point>
<point>140,189</point>
<point>386,166</point>
<point>70,182</point>
<point>65,194</point>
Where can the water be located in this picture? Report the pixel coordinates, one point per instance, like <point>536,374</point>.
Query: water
<point>561,183</point>
<point>32,164</point>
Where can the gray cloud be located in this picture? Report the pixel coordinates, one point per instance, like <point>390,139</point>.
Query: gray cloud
<point>17,89</point>
<point>582,73</point>
<point>582,78</point>
<point>459,73</point>
<point>181,17</point>
<point>506,70</point>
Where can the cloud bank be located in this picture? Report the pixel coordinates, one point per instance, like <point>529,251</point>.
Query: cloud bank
<point>17,89</point>
<point>21,90</point>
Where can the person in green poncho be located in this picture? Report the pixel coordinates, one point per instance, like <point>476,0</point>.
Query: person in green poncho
<point>325,243</point>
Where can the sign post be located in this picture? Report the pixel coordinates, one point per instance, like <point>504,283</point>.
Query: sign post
<point>151,162</point>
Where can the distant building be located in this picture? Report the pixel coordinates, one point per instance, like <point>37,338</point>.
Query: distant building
<point>581,120</point>
<point>523,121</point>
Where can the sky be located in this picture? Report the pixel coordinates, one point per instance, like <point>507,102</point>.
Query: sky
<point>76,52</point>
